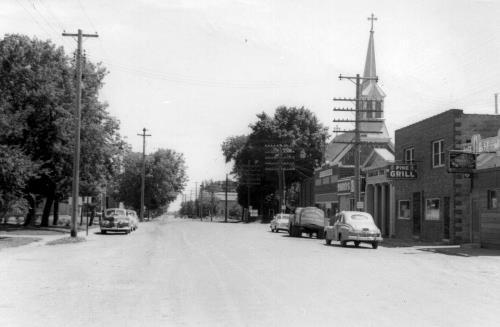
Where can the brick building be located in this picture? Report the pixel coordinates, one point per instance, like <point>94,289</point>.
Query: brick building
<point>436,205</point>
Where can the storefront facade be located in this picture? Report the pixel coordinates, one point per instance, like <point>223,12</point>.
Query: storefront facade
<point>434,204</point>
<point>379,191</point>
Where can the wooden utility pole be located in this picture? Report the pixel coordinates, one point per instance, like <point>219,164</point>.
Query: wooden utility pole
<point>143,172</point>
<point>225,211</point>
<point>196,205</point>
<point>76,156</point>
<point>357,132</point>
<point>201,201</point>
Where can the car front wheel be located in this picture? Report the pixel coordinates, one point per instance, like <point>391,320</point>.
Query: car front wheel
<point>375,245</point>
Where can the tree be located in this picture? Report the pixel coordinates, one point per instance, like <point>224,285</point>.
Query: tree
<point>15,170</point>
<point>165,178</point>
<point>37,92</point>
<point>232,146</point>
<point>299,129</point>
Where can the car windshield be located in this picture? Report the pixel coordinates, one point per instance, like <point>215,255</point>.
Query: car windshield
<point>360,217</point>
<point>115,212</point>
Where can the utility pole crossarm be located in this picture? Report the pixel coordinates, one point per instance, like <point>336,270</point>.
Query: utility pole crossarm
<point>359,77</point>
<point>360,110</point>
<point>83,35</point>
<point>377,120</point>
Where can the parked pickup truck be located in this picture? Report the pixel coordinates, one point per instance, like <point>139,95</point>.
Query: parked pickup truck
<point>307,220</point>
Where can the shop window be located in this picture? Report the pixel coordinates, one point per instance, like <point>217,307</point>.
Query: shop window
<point>438,153</point>
<point>432,209</point>
<point>492,199</point>
<point>404,209</point>
<point>410,155</point>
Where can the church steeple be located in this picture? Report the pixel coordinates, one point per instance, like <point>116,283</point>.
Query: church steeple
<point>370,90</point>
<point>370,67</point>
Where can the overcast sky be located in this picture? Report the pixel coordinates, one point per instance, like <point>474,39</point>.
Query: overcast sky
<point>196,72</point>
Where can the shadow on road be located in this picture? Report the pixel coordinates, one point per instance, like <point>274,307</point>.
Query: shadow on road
<point>462,252</point>
<point>110,233</point>
<point>361,246</point>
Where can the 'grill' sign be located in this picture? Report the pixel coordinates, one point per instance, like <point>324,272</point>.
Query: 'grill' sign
<point>402,171</point>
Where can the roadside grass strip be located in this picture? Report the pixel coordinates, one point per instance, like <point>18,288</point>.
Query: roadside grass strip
<point>10,242</point>
<point>67,240</point>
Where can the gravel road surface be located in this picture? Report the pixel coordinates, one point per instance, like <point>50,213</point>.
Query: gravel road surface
<point>179,272</point>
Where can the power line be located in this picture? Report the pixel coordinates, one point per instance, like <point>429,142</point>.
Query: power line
<point>86,16</point>
<point>33,18</point>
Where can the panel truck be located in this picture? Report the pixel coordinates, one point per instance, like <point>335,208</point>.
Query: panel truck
<point>307,220</point>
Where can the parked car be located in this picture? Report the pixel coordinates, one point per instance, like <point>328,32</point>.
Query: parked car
<point>280,222</point>
<point>307,220</point>
<point>134,219</point>
<point>116,220</point>
<point>352,226</point>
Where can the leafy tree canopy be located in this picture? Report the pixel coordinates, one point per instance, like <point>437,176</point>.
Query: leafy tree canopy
<point>165,178</point>
<point>37,107</point>
<point>296,127</point>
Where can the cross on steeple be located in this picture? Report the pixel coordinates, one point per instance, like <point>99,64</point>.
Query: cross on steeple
<point>372,18</point>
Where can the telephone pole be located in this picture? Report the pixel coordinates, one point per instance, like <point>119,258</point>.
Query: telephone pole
<point>76,156</point>
<point>357,132</point>
<point>143,173</point>
<point>225,210</point>
<point>196,206</point>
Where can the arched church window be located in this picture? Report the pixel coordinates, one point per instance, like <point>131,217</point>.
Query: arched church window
<point>378,108</point>
<point>369,108</point>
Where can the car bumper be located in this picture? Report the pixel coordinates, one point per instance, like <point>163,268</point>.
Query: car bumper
<point>364,238</point>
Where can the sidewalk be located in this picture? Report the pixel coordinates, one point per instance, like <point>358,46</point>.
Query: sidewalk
<point>440,248</point>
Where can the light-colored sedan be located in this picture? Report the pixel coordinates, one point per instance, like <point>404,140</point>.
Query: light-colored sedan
<point>352,226</point>
<point>280,222</point>
<point>133,218</point>
<point>115,220</point>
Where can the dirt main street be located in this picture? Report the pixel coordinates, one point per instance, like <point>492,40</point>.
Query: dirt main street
<point>175,272</point>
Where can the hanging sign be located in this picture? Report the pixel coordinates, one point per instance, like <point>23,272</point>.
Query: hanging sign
<point>461,162</point>
<point>402,171</point>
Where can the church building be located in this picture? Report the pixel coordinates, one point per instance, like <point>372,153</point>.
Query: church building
<point>333,184</point>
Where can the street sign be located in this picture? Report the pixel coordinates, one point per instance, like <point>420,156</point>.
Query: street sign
<point>345,186</point>
<point>360,205</point>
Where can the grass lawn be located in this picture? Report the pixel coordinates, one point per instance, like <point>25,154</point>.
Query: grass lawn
<point>10,242</point>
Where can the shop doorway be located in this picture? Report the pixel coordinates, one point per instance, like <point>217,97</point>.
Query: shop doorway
<point>416,210</point>
<point>446,218</point>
